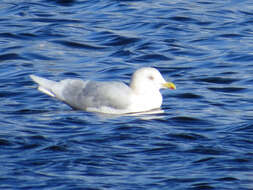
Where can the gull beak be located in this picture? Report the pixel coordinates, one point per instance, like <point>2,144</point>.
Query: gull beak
<point>169,85</point>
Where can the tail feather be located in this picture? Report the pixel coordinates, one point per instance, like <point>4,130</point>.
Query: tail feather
<point>46,86</point>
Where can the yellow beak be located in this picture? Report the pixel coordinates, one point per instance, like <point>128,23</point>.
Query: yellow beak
<point>169,85</point>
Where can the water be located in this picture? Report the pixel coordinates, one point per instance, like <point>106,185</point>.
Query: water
<point>203,140</point>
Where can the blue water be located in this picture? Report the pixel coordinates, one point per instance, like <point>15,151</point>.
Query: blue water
<point>204,138</point>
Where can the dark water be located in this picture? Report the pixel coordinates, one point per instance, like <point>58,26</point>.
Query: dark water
<point>204,140</point>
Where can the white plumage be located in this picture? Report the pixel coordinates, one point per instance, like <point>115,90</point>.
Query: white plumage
<point>109,97</point>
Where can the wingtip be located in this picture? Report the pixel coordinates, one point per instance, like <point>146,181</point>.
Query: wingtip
<point>32,77</point>
<point>36,79</point>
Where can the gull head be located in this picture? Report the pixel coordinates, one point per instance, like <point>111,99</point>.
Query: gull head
<point>148,79</point>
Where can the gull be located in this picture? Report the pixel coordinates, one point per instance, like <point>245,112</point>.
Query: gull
<point>141,95</point>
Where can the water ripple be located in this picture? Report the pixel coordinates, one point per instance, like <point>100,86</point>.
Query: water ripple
<point>78,45</point>
<point>202,137</point>
<point>10,56</point>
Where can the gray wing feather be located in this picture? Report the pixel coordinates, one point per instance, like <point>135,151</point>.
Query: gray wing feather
<point>89,94</point>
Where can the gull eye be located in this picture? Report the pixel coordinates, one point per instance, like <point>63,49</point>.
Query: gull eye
<point>150,77</point>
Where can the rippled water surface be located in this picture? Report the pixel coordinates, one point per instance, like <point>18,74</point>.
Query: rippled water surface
<point>204,138</point>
